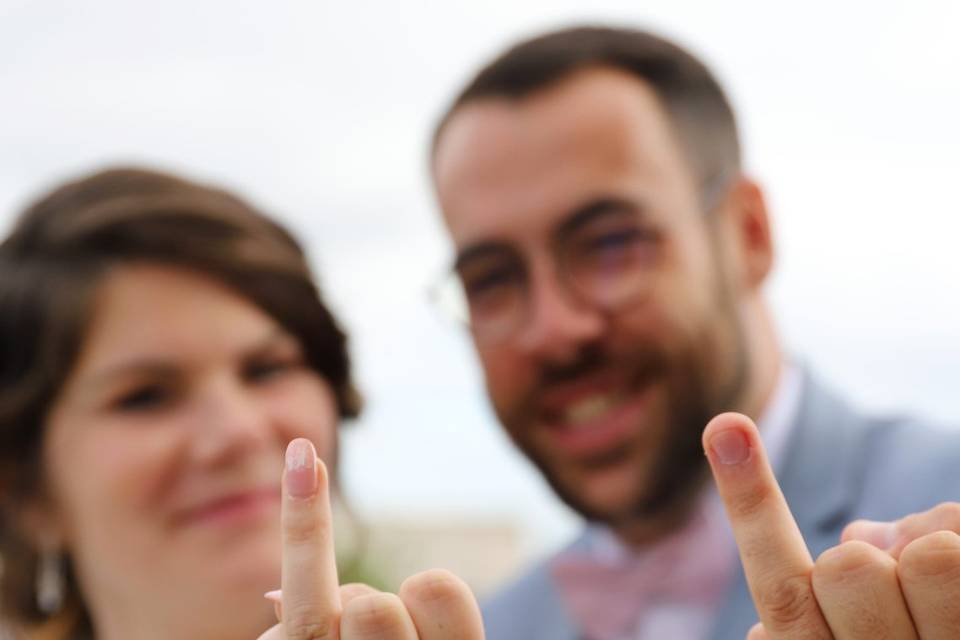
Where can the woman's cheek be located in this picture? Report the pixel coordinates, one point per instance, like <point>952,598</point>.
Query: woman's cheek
<point>118,473</point>
<point>306,407</point>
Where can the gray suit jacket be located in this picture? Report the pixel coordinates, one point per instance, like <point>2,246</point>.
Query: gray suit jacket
<point>838,466</point>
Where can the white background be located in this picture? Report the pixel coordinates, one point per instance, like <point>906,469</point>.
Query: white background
<point>321,111</point>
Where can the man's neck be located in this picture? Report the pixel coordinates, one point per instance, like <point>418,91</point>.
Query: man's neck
<point>766,358</point>
<point>643,531</point>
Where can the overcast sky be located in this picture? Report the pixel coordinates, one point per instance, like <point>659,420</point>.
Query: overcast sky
<point>320,112</point>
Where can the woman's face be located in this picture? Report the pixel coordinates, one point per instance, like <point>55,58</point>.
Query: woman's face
<point>164,452</point>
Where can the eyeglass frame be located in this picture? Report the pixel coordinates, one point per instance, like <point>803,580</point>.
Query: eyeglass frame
<point>712,195</point>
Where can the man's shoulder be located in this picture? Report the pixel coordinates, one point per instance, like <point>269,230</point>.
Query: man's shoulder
<point>904,464</point>
<point>911,465</point>
<point>833,420</point>
<point>528,608</point>
<point>896,444</point>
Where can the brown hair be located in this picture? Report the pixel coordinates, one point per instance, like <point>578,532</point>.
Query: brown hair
<point>695,103</point>
<point>50,268</point>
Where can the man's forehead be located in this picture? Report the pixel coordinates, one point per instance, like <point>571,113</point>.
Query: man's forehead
<point>587,102</point>
<point>499,156</point>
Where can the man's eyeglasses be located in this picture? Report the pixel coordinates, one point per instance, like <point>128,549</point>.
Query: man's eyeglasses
<point>604,256</point>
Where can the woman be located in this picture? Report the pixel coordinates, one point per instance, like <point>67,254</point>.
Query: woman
<point>160,344</point>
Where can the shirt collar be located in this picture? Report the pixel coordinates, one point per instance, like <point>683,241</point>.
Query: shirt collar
<point>779,418</point>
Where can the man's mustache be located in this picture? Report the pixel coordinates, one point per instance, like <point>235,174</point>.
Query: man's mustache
<point>641,364</point>
<point>589,360</point>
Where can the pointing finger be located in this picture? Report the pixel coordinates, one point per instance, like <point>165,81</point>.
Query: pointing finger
<point>311,595</point>
<point>775,558</point>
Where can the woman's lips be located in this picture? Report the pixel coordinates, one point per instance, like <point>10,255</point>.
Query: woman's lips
<point>232,508</point>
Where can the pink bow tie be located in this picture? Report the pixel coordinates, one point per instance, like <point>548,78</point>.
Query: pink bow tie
<point>608,598</point>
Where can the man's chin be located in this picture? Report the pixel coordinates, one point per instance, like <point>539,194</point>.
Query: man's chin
<point>613,515</point>
<point>600,503</point>
<point>628,508</point>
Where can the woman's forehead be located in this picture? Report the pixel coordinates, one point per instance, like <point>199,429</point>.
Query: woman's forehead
<point>155,312</point>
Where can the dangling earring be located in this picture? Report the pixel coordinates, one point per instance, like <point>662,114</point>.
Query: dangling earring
<point>50,582</point>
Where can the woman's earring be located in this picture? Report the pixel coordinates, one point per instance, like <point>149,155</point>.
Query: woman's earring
<point>50,582</point>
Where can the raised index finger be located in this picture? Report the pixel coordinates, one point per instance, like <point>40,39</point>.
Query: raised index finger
<point>775,558</point>
<point>311,596</point>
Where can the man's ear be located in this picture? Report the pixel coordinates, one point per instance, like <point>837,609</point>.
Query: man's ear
<point>750,236</point>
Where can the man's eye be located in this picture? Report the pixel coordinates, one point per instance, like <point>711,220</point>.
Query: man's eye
<point>630,247</point>
<point>483,283</point>
<point>144,399</point>
<point>615,240</point>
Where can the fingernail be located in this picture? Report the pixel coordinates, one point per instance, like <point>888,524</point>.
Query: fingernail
<point>880,534</point>
<point>301,461</point>
<point>274,596</point>
<point>730,446</point>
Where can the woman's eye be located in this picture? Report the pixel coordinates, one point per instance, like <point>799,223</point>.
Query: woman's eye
<point>144,399</point>
<point>268,369</point>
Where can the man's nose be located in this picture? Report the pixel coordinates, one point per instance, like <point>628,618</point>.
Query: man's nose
<point>558,325</point>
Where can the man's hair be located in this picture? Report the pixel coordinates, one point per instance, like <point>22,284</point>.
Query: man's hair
<point>696,105</point>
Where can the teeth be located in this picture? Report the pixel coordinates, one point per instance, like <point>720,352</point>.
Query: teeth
<point>589,409</point>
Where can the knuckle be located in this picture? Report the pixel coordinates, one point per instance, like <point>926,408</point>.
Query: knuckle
<point>375,615</point>
<point>352,590</point>
<point>787,604</point>
<point>933,557</point>
<point>851,563</point>
<point>913,520</point>
<point>302,623</point>
<point>302,529</point>
<point>850,530</point>
<point>310,631</point>
<point>750,502</point>
<point>436,586</point>
<point>948,515</point>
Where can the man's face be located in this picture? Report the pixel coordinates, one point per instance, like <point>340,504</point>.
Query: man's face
<point>608,403</point>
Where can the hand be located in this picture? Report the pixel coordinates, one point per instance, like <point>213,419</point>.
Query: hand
<point>434,605</point>
<point>895,537</point>
<point>855,590</point>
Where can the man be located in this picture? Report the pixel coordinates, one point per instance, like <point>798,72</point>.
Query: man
<point>611,257</point>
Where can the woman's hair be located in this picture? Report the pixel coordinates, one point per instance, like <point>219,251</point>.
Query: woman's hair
<point>51,266</point>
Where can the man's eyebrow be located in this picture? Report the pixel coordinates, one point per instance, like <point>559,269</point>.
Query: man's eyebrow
<point>480,250</point>
<point>581,216</point>
<point>595,209</point>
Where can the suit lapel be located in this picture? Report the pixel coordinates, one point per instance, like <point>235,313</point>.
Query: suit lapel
<point>822,476</point>
<point>537,611</point>
<point>559,626</point>
<point>562,626</point>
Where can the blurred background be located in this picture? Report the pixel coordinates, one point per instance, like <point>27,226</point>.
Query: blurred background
<point>320,112</point>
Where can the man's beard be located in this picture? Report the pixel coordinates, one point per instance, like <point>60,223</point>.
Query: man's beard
<point>680,468</point>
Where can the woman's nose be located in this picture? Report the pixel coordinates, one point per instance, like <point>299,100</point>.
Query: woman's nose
<point>230,421</point>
